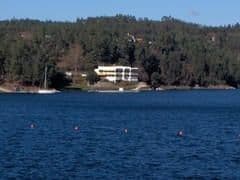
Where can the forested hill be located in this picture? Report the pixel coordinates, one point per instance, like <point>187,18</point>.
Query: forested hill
<point>169,52</point>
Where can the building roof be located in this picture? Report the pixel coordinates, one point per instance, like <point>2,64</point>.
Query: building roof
<point>115,67</point>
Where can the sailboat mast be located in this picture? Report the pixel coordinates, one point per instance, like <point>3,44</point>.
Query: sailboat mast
<point>45,78</point>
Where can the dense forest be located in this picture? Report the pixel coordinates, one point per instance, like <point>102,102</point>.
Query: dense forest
<point>167,52</point>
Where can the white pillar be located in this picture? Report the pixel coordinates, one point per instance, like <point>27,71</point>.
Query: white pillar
<point>130,74</point>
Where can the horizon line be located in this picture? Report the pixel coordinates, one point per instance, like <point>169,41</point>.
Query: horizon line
<point>112,16</point>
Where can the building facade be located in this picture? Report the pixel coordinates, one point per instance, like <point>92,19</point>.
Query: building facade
<point>117,73</point>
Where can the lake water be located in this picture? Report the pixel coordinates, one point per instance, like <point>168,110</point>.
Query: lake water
<point>121,136</point>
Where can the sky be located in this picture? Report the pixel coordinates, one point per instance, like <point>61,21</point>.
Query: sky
<point>205,12</point>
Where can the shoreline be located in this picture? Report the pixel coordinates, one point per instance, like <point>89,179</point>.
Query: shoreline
<point>31,90</point>
<point>211,87</point>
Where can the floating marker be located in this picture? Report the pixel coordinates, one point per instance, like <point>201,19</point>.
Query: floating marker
<point>76,128</point>
<point>32,126</point>
<point>125,130</point>
<point>180,133</point>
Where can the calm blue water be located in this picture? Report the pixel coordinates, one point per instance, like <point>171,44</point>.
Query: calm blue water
<point>82,135</point>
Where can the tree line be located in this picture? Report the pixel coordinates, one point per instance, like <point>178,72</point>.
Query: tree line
<point>167,52</point>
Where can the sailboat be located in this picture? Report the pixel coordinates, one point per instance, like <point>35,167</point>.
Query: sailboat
<point>45,90</point>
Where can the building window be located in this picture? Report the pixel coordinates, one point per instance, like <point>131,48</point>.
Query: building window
<point>126,73</point>
<point>119,70</point>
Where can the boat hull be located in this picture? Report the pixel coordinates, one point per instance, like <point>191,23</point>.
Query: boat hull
<point>47,91</point>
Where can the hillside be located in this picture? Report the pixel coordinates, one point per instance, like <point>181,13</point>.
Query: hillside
<point>168,52</point>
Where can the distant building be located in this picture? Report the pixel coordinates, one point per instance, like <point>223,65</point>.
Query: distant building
<point>117,73</point>
<point>140,40</point>
<point>84,75</point>
<point>68,73</point>
<point>26,35</point>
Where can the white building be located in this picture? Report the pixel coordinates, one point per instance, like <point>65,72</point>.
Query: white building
<point>117,73</point>
<point>68,73</point>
